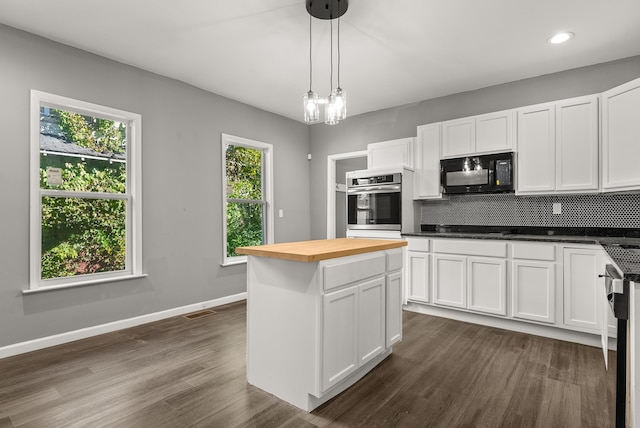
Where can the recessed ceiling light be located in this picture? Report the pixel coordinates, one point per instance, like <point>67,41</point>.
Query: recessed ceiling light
<point>560,38</point>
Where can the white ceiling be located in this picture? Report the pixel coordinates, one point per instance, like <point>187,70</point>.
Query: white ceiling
<point>392,52</point>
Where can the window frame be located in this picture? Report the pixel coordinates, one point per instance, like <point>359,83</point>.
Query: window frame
<point>132,195</point>
<point>267,191</point>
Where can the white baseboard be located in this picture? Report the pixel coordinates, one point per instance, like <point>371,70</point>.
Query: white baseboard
<point>83,333</point>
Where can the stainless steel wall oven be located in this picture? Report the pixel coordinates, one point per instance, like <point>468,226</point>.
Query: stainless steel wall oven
<point>374,202</point>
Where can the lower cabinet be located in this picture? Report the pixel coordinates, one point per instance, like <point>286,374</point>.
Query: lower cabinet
<point>394,309</point>
<point>361,320</point>
<point>354,326</point>
<point>372,310</point>
<point>475,283</point>
<point>533,288</point>
<point>450,280</point>
<point>417,268</point>
<point>583,289</point>
<point>340,335</point>
<point>551,283</point>
<point>487,287</point>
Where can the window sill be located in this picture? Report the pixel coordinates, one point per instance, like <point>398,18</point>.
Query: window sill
<point>82,283</point>
<point>242,261</point>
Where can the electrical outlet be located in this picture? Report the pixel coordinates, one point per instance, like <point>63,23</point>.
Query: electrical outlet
<point>280,213</point>
<point>557,208</point>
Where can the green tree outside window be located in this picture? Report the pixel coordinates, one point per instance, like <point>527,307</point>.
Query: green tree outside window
<point>84,235</point>
<point>245,203</point>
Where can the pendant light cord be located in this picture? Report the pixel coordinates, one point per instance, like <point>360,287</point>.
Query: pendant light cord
<point>310,61</point>
<point>331,62</point>
<point>338,52</point>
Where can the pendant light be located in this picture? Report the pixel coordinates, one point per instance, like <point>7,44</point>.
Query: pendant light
<point>340,95</point>
<point>331,110</point>
<point>311,111</point>
<point>336,103</point>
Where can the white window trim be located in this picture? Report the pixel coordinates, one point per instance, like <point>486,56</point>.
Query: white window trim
<point>134,200</point>
<point>267,188</point>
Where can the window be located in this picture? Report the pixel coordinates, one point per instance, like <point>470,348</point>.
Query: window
<point>85,193</point>
<point>247,195</point>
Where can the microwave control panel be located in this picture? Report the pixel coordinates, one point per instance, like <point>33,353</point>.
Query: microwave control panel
<point>503,172</point>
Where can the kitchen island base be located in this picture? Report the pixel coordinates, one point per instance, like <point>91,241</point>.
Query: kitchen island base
<point>316,328</point>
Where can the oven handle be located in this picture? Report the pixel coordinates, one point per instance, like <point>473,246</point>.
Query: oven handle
<point>374,189</point>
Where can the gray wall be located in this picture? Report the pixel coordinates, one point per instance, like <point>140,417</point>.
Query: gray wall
<point>356,132</point>
<point>181,167</point>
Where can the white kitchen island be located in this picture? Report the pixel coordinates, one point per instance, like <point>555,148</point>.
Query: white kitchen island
<point>321,314</point>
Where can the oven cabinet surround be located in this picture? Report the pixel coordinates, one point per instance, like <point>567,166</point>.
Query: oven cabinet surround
<point>314,328</point>
<point>558,150</point>
<point>520,282</point>
<point>487,133</point>
<point>391,154</point>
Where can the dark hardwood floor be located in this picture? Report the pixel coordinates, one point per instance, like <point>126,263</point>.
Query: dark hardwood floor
<point>183,372</point>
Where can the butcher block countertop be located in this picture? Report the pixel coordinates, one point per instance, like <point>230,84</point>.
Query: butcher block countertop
<point>323,249</point>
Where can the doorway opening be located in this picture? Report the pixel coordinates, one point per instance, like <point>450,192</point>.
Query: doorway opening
<point>337,167</point>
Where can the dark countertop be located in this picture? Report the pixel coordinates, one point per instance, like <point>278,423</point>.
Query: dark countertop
<point>622,245</point>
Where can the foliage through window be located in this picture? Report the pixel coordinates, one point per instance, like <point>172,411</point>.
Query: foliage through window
<point>246,203</point>
<point>84,193</point>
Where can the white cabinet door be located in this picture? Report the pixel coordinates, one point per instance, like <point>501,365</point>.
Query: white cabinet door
<point>487,285</point>
<point>577,147</point>
<point>340,335</point>
<point>458,137</point>
<point>427,174</point>
<point>394,308</point>
<point>450,280</point>
<point>391,154</point>
<point>418,276</point>
<point>583,289</point>
<point>494,132</point>
<point>536,149</point>
<point>621,137</point>
<point>371,319</point>
<point>533,290</point>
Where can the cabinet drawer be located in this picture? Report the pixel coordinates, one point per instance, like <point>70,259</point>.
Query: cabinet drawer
<point>533,251</point>
<point>418,244</point>
<point>347,271</point>
<point>470,247</point>
<point>394,260</point>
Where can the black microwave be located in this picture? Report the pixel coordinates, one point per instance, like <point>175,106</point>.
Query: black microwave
<point>492,173</point>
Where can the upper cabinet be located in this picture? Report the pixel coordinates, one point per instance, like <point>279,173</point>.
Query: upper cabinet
<point>558,147</point>
<point>458,137</point>
<point>427,162</point>
<point>621,138</point>
<point>391,154</point>
<point>492,132</point>
<point>579,145</point>
<point>536,159</point>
